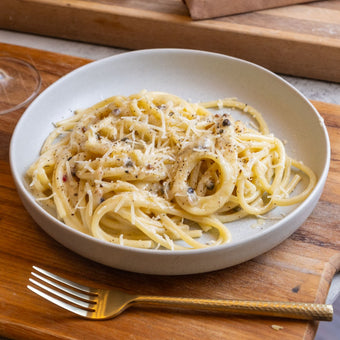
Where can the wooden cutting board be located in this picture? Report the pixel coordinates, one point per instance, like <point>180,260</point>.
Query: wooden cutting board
<point>300,269</point>
<point>301,40</point>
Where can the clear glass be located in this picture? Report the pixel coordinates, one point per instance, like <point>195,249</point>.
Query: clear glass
<point>19,83</point>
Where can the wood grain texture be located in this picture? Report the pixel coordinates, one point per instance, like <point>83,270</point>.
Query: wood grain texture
<point>300,269</point>
<point>301,40</point>
<point>205,9</point>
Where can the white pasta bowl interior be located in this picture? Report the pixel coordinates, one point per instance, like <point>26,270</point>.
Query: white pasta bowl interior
<point>195,76</point>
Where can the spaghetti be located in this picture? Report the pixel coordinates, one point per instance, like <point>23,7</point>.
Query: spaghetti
<point>152,169</point>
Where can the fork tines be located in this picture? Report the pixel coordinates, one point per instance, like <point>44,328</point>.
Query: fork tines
<point>78,299</point>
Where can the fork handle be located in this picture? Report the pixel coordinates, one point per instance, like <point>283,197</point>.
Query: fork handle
<point>292,310</point>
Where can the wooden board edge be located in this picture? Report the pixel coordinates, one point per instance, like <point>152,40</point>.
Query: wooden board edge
<point>330,269</point>
<point>326,107</point>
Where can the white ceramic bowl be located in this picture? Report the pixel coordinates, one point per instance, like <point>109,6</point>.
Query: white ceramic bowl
<point>195,76</point>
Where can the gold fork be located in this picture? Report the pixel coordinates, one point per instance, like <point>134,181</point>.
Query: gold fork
<point>96,304</point>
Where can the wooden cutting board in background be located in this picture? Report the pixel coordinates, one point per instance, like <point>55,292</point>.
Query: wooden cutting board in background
<point>300,269</point>
<point>207,9</point>
<point>300,40</point>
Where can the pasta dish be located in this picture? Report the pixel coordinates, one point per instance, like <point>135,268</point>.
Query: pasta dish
<point>152,170</point>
